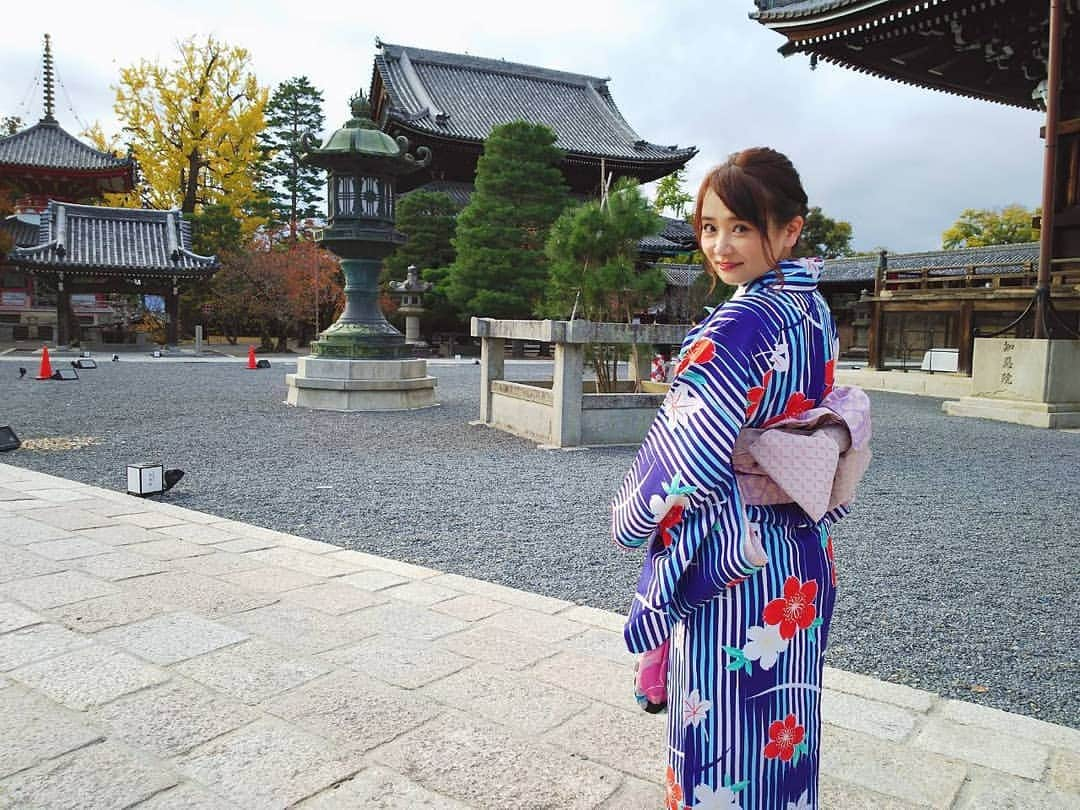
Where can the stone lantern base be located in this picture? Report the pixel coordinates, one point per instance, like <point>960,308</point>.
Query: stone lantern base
<point>360,385</point>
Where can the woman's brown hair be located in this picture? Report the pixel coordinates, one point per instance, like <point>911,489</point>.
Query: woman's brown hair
<point>759,186</point>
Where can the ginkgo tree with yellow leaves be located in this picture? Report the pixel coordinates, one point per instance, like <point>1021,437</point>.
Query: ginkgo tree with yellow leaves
<point>193,126</point>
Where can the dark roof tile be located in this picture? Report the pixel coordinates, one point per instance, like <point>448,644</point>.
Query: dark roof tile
<point>995,259</point>
<point>47,146</point>
<point>90,237</point>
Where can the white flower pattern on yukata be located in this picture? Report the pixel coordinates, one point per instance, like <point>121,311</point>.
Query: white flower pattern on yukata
<point>802,804</point>
<point>680,404</point>
<point>705,798</point>
<point>694,709</point>
<point>764,645</point>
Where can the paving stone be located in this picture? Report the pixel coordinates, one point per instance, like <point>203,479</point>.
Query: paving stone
<point>242,544</point>
<point>596,678</point>
<point>387,659</point>
<point>855,684</point>
<point>170,549</point>
<point>988,790</point>
<point>884,720</point>
<point>70,518</point>
<point>271,579</point>
<point>204,595</point>
<point>253,671</point>
<point>374,580</point>
<point>89,676</point>
<point>362,560</point>
<point>173,718</point>
<point>983,746</point>
<point>29,644</point>
<point>185,797</point>
<point>121,534</point>
<point>186,515</point>
<point>837,795</point>
<point>16,563</point>
<point>268,764</point>
<point>215,564</point>
<point>246,530</point>
<point>198,533</point>
<point>13,616</point>
<point>301,629</point>
<point>407,621</point>
<point>470,607</point>
<point>69,548</point>
<point>1065,772</point>
<point>113,507</point>
<point>379,788</point>
<point>1028,728</point>
<point>359,718</point>
<point>604,619</point>
<point>501,593</point>
<point>526,705</point>
<point>498,646</point>
<point>171,638</point>
<point>626,740</point>
<point>540,626</point>
<point>314,564</point>
<point>304,543</point>
<point>601,644</point>
<point>59,494</point>
<point>33,728</point>
<point>61,588</point>
<point>333,597</point>
<point>486,766</point>
<point>418,592</point>
<point>115,609</point>
<point>150,520</point>
<point>637,794</point>
<point>118,565</point>
<point>913,775</point>
<point>20,531</point>
<point>99,777</point>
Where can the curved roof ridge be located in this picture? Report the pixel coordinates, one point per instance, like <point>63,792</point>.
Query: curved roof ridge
<point>48,145</point>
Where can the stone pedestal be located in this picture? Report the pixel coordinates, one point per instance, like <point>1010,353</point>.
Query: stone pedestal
<point>1029,382</point>
<point>360,385</point>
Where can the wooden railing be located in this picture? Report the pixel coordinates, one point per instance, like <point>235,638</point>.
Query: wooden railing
<point>1065,273</point>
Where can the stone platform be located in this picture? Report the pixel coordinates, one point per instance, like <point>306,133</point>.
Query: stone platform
<point>157,657</point>
<point>360,385</point>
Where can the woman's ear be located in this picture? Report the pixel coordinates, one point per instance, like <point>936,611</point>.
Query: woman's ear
<point>792,231</point>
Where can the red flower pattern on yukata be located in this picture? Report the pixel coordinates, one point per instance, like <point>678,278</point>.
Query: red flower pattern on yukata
<point>797,403</point>
<point>795,609</point>
<point>701,350</point>
<point>670,520</point>
<point>830,375</point>
<point>832,560</point>
<point>674,794</point>
<point>784,735</point>
<point>754,395</point>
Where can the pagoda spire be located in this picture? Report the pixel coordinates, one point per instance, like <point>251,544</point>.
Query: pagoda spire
<point>47,70</point>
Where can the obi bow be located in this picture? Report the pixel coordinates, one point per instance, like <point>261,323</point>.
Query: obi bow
<point>814,459</point>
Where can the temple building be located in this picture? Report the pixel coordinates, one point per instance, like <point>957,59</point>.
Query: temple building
<point>69,258</point>
<point>995,50</point>
<point>450,103</point>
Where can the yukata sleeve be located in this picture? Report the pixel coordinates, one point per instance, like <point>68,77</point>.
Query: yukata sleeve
<point>683,476</point>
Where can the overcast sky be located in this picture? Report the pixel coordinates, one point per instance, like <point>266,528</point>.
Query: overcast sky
<point>899,163</point>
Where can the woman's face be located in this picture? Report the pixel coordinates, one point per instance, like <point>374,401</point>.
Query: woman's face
<point>734,247</point>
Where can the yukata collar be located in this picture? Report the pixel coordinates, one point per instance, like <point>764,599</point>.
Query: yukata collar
<point>800,275</point>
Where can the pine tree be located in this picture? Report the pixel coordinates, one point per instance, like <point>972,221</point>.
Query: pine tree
<point>428,219</point>
<point>501,270</point>
<point>293,188</point>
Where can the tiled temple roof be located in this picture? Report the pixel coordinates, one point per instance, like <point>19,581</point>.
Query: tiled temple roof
<point>463,97</point>
<point>48,146</point>
<point>769,10</point>
<point>23,228</point>
<point>103,240</point>
<point>677,236</point>
<point>999,258</point>
<point>680,275</point>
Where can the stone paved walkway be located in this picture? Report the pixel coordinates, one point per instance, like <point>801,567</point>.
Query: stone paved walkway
<point>156,657</point>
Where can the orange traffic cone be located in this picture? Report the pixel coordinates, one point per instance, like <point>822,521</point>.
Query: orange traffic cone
<point>251,357</point>
<point>45,372</point>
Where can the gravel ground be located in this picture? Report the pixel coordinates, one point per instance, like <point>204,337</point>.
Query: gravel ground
<point>959,568</point>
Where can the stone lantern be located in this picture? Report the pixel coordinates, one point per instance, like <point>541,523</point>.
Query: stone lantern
<point>361,362</point>
<point>411,292</point>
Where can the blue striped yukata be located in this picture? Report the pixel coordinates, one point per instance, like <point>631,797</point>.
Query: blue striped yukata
<point>746,642</point>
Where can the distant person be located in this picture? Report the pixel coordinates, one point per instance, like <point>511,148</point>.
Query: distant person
<point>733,605</point>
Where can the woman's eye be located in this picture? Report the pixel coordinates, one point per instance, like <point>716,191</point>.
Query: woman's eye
<point>740,228</point>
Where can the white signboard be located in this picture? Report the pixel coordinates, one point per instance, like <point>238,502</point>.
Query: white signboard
<point>10,298</point>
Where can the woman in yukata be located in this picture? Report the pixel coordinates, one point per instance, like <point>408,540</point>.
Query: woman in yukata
<point>742,594</point>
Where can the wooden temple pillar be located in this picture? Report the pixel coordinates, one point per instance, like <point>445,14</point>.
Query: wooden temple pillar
<point>172,311</point>
<point>965,337</point>
<point>874,348</point>
<point>63,313</point>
